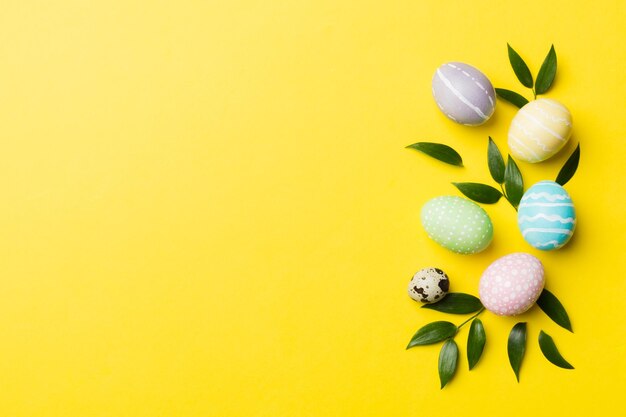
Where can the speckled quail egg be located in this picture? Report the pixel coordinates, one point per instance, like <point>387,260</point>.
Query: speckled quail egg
<point>429,285</point>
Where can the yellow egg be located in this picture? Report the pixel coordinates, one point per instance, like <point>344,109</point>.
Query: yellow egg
<point>539,130</point>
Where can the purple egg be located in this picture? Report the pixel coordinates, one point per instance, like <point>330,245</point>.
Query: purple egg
<point>463,93</point>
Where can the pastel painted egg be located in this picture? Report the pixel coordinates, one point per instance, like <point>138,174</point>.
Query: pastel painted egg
<point>429,285</point>
<point>457,224</point>
<point>463,93</point>
<point>546,216</point>
<point>539,130</point>
<point>511,284</point>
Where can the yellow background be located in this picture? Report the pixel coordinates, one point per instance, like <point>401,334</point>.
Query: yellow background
<point>207,208</point>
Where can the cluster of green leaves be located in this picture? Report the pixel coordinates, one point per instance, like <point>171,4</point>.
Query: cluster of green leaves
<point>460,303</point>
<point>516,348</point>
<point>445,331</point>
<point>509,177</point>
<point>516,345</point>
<point>541,85</point>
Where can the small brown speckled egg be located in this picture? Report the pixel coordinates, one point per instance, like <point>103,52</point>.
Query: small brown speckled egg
<point>429,285</point>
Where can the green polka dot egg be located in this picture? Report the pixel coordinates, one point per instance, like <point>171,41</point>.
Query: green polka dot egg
<point>457,224</point>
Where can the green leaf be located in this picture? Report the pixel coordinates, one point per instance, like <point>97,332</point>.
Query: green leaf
<point>432,333</point>
<point>569,169</point>
<point>546,72</point>
<point>439,151</point>
<point>512,97</point>
<point>495,162</point>
<point>480,193</point>
<point>456,303</point>
<point>554,309</point>
<point>513,182</point>
<point>475,342</point>
<point>517,347</point>
<point>520,68</point>
<point>448,358</point>
<point>549,350</point>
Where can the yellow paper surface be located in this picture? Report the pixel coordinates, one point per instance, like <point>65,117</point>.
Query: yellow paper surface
<point>207,208</point>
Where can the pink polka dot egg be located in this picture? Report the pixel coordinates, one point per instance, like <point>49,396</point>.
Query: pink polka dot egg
<point>511,284</point>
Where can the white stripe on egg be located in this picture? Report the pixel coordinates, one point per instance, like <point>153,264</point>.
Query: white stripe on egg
<point>548,217</point>
<point>546,230</point>
<point>542,126</point>
<point>460,96</point>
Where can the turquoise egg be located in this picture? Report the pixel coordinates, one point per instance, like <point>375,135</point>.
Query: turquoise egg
<point>546,216</point>
<point>457,224</point>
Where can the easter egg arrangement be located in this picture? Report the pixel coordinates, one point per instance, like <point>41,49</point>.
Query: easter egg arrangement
<point>546,217</point>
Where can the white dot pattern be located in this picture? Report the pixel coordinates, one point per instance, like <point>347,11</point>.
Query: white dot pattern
<point>457,224</point>
<point>511,284</point>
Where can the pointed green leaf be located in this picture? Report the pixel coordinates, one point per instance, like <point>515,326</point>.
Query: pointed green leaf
<point>569,169</point>
<point>456,303</point>
<point>549,350</point>
<point>448,358</point>
<point>554,309</point>
<point>480,193</point>
<point>439,151</point>
<point>546,72</point>
<point>513,182</point>
<point>517,347</point>
<point>432,333</point>
<point>475,342</point>
<point>512,97</point>
<point>520,68</point>
<point>495,162</point>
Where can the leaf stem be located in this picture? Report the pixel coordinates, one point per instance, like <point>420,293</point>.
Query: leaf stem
<point>512,205</point>
<point>471,318</point>
<point>507,197</point>
<point>534,93</point>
